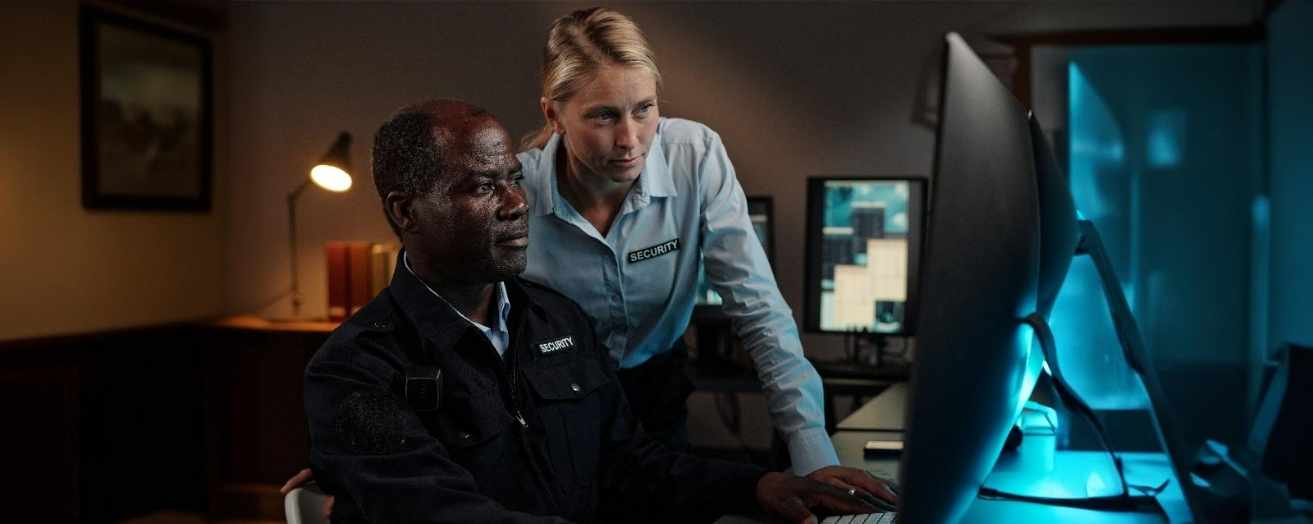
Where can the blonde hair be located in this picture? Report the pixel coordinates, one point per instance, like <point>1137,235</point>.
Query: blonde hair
<point>580,43</point>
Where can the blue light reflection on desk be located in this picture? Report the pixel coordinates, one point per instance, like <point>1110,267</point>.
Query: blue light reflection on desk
<point>1036,469</point>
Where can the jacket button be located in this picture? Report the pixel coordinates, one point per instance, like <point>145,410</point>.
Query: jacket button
<point>465,435</point>
<point>575,388</point>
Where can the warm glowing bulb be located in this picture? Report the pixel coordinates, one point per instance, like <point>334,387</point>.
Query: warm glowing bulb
<point>331,178</point>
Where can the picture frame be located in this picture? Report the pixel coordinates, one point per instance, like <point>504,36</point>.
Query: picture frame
<point>147,114</point>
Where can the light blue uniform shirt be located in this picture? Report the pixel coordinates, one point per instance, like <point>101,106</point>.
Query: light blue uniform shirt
<point>638,282</point>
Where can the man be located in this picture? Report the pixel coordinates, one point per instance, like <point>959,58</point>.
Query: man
<point>462,393</point>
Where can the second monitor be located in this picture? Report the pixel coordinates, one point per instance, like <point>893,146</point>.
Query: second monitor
<point>863,250</point>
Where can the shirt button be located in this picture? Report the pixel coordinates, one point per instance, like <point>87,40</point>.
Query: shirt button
<point>575,388</point>
<point>465,435</point>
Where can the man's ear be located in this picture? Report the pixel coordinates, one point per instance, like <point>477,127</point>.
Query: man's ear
<point>550,115</point>
<point>399,208</point>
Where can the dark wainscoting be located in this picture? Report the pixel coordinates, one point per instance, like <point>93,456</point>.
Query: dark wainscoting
<point>198,417</point>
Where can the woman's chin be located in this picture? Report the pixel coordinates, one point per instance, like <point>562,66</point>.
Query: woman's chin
<point>625,175</point>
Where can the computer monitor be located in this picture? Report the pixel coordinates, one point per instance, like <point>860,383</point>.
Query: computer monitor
<point>979,280</point>
<point>761,211</point>
<point>863,252</point>
<point>1059,232</point>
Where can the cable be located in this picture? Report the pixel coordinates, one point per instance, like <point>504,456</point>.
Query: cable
<point>1107,502</point>
<point>1069,397</point>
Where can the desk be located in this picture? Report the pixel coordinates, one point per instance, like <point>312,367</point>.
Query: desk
<point>883,413</point>
<point>1033,469</point>
<point>858,381</point>
<point>836,379</point>
<point>255,420</point>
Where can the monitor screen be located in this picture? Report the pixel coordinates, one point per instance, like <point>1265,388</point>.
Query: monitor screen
<point>761,213</point>
<point>863,246</point>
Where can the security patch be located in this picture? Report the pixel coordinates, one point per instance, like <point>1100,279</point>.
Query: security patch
<point>557,345</point>
<point>664,248</point>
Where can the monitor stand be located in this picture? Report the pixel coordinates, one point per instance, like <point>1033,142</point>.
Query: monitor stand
<point>1232,494</point>
<point>868,349</point>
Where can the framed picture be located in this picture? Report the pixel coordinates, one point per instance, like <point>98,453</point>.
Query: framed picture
<point>146,115</point>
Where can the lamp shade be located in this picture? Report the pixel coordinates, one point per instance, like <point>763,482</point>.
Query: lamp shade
<point>332,172</point>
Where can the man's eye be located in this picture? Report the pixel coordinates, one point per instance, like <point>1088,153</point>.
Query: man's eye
<point>487,187</point>
<point>517,179</point>
<point>645,108</point>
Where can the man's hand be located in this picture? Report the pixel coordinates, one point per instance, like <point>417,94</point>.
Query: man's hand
<point>298,480</point>
<point>791,498</point>
<point>874,490</point>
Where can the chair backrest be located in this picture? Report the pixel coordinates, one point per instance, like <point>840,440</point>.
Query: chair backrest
<point>305,505</point>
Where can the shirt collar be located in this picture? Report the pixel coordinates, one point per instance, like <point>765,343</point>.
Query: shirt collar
<point>654,182</point>
<point>503,303</point>
<point>437,320</point>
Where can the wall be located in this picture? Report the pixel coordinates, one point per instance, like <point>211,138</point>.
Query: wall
<point>794,89</point>
<point>66,269</point>
<point>1290,132</point>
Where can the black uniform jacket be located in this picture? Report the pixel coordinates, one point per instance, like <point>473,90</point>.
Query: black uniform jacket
<point>395,444</point>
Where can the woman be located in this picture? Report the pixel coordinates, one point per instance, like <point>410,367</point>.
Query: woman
<point>625,206</point>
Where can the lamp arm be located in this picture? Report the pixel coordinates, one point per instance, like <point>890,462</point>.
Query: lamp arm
<point>291,245</point>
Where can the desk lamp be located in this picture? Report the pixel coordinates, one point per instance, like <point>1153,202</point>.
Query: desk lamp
<point>330,173</point>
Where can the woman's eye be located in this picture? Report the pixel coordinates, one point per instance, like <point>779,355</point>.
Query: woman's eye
<point>486,187</point>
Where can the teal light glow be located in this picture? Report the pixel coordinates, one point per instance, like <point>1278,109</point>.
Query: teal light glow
<point>1166,138</point>
<point>1260,267</point>
<point>1087,345</point>
<point>1034,364</point>
<point>1096,143</point>
<point>1096,487</point>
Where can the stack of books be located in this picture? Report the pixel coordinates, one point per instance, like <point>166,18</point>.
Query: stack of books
<point>357,271</point>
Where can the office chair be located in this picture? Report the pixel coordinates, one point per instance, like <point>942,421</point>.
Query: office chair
<point>305,505</point>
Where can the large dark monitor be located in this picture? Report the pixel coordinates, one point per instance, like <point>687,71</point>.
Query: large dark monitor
<point>979,280</point>
<point>1059,229</point>
<point>863,252</point>
<point>761,211</point>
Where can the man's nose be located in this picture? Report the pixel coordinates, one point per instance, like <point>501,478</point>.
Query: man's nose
<point>515,204</point>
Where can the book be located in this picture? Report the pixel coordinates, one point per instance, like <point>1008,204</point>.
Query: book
<point>338,280</point>
<point>358,292</point>
<point>382,263</point>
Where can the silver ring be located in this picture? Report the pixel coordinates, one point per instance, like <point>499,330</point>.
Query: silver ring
<point>852,492</point>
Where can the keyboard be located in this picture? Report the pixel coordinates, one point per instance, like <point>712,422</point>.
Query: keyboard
<point>867,518</point>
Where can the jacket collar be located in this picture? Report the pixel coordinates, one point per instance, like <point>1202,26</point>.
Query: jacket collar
<point>437,321</point>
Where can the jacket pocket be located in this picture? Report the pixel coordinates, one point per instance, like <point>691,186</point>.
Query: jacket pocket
<point>466,421</point>
<point>569,403</point>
